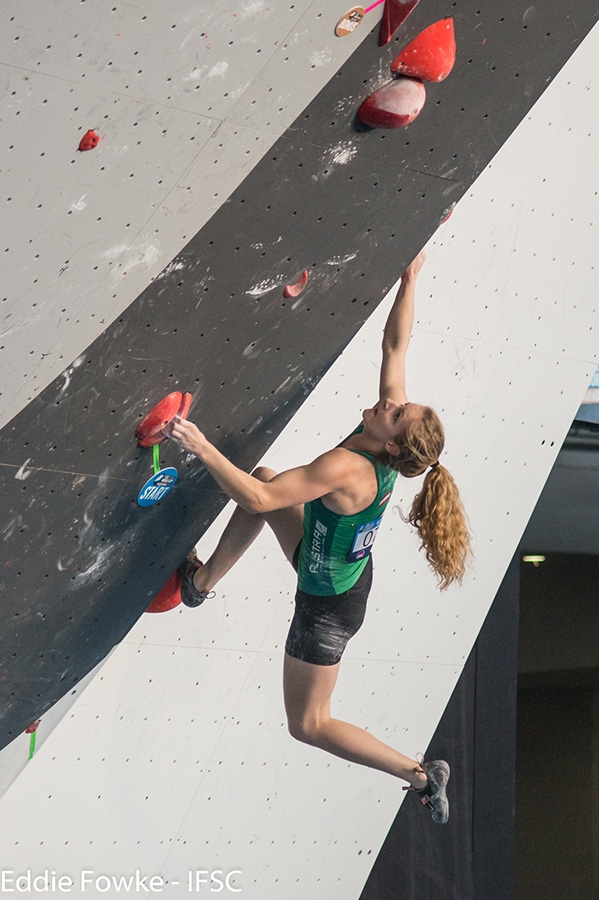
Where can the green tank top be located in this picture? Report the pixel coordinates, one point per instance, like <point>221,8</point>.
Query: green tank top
<point>335,548</point>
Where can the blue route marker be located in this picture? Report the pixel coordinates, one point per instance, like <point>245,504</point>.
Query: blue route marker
<point>157,486</point>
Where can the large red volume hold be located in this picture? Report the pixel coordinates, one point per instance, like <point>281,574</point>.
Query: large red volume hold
<point>394,14</point>
<point>393,105</point>
<point>431,55</point>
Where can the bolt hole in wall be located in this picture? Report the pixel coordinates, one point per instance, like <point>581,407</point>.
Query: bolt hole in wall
<point>557,768</point>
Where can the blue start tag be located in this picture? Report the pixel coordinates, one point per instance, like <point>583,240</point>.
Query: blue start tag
<point>157,487</point>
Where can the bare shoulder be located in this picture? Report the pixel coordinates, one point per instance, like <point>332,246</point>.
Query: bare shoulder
<point>337,461</point>
<point>341,469</point>
<point>351,479</point>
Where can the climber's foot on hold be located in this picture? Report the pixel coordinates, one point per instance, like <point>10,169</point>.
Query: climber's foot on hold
<point>191,595</point>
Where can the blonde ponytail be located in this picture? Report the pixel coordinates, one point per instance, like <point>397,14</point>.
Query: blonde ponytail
<point>437,513</point>
<point>438,516</point>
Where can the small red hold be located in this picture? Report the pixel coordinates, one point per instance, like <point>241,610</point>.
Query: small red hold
<point>294,290</point>
<point>393,105</point>
<point>394,14</point>
<point>33,727</point>
<point>168,597</point>
<point>89,141</point>
<point>431,55</point>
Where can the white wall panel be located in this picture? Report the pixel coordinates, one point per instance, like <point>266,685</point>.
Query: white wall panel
<point>84,225</point>
<point>188,801</point>
<point>128,737</point>
<point>14,758</point>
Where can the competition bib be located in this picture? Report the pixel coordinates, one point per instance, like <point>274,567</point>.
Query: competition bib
<point>363,540</point>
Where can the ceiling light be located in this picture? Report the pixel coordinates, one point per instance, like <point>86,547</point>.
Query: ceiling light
<point>536,559</point>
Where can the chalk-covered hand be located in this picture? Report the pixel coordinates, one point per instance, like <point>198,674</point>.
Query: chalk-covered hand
<point>188,436</point>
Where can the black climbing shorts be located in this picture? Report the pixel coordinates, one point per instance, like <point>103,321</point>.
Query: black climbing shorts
<point>322,626</point>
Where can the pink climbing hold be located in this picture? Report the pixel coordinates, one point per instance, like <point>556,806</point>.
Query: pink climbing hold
<point>393,105</point>
<point>431,55</point>
<point>89,141</point>
<point>294,290</point>
<point>394,14</point>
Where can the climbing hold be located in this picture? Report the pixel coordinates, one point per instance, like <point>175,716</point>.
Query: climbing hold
<point>185,405</point>
<point>394,14</point>
<point>431,55</point>
<point>89,141</point>
<point>447,214</point>
<point>33,727</point>
<point>393,105</point>
<point>294,290</point>
<point>150,430</point>
<point>168,597</point>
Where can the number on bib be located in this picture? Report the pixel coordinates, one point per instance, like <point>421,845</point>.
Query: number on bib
<point>363,540</point>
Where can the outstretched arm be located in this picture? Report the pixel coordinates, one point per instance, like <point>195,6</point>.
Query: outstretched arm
<point>300,485</point>
<point>396,336</point>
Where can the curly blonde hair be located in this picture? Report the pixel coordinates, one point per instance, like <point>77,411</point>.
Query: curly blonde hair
<point>437,513</point>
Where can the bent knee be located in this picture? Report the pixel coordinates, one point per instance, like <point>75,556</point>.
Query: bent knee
<point>263,473</point>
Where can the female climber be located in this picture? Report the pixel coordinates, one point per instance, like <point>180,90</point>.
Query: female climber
<point>325,516</point>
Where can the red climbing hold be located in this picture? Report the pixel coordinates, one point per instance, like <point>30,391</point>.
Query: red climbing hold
<point>394,14</point>
<point>150,430</point>
<point>185,405</point>
<point>431,55</point>
<point>294,290</point>
<point>158,418</point>
<point>89,141</point>
<point>393,105</point>
<point>33,727</point>
<point>168,597</point>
